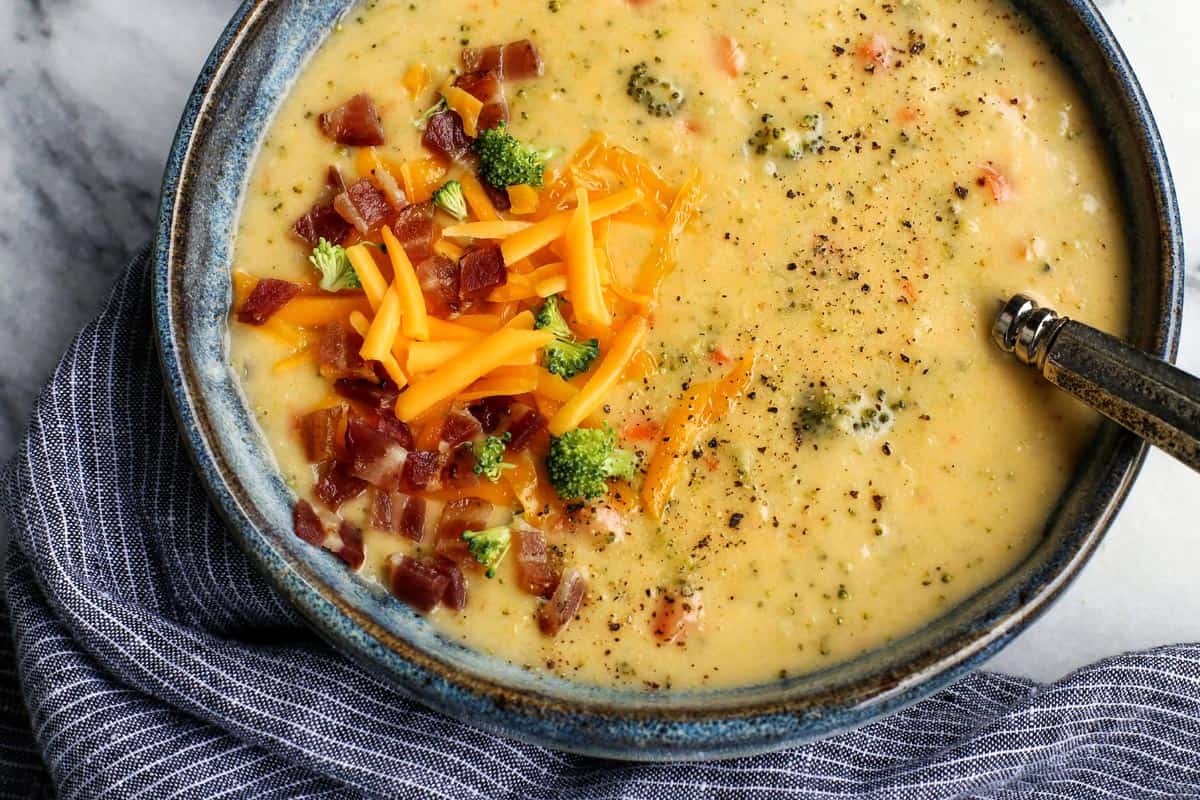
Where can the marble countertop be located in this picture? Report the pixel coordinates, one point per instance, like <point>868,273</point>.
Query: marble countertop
<point>85,201</point>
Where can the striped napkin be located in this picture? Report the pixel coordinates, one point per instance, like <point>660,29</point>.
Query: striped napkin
<point>147,659</point>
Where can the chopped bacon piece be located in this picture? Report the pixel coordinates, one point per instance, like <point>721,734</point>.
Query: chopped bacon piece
<point>557,612</point>
<point>535,574</point>
<point>368,393</point>
<point>482,270</point>
<point>675,614</point>
<point>499,197</point>
<point>455,596</point>
<point>355,122</point>
<point>335,180</point>
<point>364,206</point>
<point>268,296</point>
<point>335,485</point>
<point>338,354</point>
<point>459,471</point>
<point>487,89</point>
<point>351,548</point>
<point>459,428</point>
<point>306,523</point>
<point>511,62</point>
<point>382,509</point>
<point>444,135</point>
<point>420,469</point>
<point>491,411</point>
<point>400,513</point>
<point>375,456</point>
<point>321,432</point>
<point>439,279</point>
<point>461,514</point>
<point>322,222</point>
<point>416,582</point>
<point>414,229</point>
<point>524,428</point>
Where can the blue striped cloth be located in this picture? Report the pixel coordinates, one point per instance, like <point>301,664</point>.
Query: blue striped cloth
<point>153,662</point>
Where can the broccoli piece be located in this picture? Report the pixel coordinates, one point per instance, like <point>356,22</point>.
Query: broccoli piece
<point>565,356</point>
<point>432,111</point>
<point>334,265</point>
<point>580,461</point>
<point>505,161</point>
<point>489,456</point>
<point>489,546</point>
<point>660,97</point>
<point>772,139</point>
<point>449,197</point>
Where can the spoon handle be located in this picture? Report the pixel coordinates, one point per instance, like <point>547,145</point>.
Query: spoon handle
<point>1149,397</point>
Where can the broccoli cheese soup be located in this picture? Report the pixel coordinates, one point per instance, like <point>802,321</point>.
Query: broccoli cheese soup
<point>646,341</point>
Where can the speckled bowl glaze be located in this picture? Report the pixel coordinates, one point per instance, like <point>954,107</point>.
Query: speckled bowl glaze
<point>251,68</point>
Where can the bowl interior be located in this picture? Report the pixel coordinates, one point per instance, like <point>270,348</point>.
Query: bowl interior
<point>248,74</point>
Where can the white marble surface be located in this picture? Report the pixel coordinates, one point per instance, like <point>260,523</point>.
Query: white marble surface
<point>108,79</point>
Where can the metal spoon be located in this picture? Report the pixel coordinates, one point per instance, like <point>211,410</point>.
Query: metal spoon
<point>1149,397</point>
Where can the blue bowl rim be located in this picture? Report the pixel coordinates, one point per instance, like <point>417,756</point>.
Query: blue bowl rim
<point>595,731</point>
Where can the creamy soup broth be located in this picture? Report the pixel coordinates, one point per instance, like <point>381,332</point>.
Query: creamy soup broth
<point>888,462</point>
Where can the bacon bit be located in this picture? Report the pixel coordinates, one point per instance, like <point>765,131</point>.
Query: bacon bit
<point>400,513</point>
<point>414,230</point>
<point>874,52</point>
<point>440,279</point>
<point>322,222</point>
<point>675,615</point>
<point>364,206</point>
<point>719,356</point>
<point>512,61</point>
<point>268,296</point>
<point>369,394</point>
<point>460,428</point>
<point>338,354</point>
<point>463,514</point>
<point>419,583</point>
<point>374,456</point>
<point>730,56</point>
<point>491,411</point>
<point>646,430</point>
<point>445,136</point>
<point>335,485</point>
<point>458,474</point>
<point>995,181</point>
<point>455,595</point>
<point>534,573</point>
<point>351,548</point>
<point>499,197</point>
<point>335,180</point>
<point>487,89</point>
<point>525,428</point>
<point>420,469</point>
<point>356,123</point>
<point>481,270</point>
<point>306,523</point>
<point>321,432</point>
<point>557,612</point>
<point>908,290</point>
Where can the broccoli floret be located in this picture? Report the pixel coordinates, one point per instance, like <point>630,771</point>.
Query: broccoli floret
<point>489,546</point>
<point>581,461</point>
<point>505,161</point>
<point>449,197</point>
<point>790,142</point>
<point>660,97</point>
<point>489,456</point>
<point>565,356</point>
<point>432,111</point>
<point>334,265</point>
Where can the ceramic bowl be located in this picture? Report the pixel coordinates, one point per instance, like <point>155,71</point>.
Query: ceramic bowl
<point>266,44</point>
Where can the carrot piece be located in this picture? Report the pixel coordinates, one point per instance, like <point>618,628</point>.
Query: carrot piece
<point>441,329</point>
<point>498,494</point>
<point>683,426</point>
<point>735,384</point>
<point>518,287</point>
<point>627,342</point>
<point>309,311</point>
<point>390,362</point>
<point>426,356</point>
<point>661,261</point>
<point>305,355</point>
<point>730,56</point>
<point>467,106</point>
<point>502,382</point>
<point>448,249</point>
<point>486,323</point>
<point>531,486</point>
<point>373,283</point>
<point>420,177</point>
<point>555,284</point>
<point>282,331</point>
<point>415,322</point>
<point>487,229</point>
<point>379,337</point>
<point>416,78</point>
<point>554,387</point>
<point>477,199</point>
<point>645,430</point>
<point>995,181</point>
<point>498,349</point>
<point>583,279</point>
<point>522,199</point>
<point>642,365</point>
<point>521,322</point>
<point>243,285</point>
<point>542,233</point>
